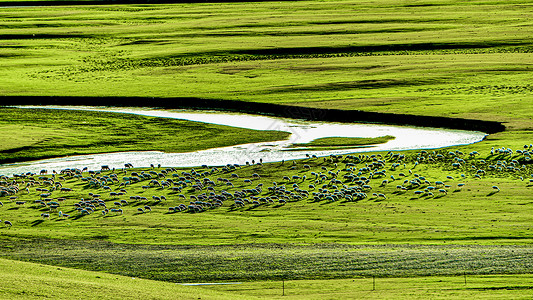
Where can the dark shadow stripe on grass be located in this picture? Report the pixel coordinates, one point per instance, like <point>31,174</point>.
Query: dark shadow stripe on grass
<point>42,36</point>
<point>349,85</point>
<point>52,25</point>
<point>527,287</point>
<point>379,48</point>
<point>381,21</point>
<point>9,55</point>
<point>400,21</point>
<point>294,112</point>
<point>303,33</point>
<point>486,238</point>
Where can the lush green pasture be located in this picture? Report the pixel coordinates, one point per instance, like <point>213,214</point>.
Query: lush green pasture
<point>390,232</point>
<point>29,134</point>
<point>256,262</point>
<point>437,287</point>
<point>487,216</point>
<point>22,280</point>
<point>468,59</point>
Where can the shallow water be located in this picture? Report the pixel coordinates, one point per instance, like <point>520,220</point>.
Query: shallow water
<point>301,132</point>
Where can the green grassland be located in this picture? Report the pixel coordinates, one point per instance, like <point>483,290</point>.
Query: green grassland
<point>490,217</point>
<point>390,232</point>
<point>341,142</point>
<point>468,59</point>
<point>256,262</point>
<point>22,280</point>
<point>30,134</point>
<point>438,287</point>
<point>465,59</point>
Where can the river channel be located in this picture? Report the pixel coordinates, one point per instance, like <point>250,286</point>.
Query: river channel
<point>407,138</point>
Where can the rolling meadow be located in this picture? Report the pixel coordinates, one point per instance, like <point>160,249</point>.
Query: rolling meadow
<point>436,223</point>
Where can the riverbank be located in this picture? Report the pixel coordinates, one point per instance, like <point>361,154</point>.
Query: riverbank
<point>35,134</point>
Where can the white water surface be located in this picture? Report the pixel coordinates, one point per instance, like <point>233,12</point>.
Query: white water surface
<point>407,138</point>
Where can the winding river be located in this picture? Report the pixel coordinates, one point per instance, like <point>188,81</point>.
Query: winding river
<point>301,132</point>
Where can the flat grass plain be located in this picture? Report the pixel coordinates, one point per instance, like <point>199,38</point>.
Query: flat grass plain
<point>469,59</point>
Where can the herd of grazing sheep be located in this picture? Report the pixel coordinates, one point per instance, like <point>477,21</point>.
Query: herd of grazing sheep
<point>75,193</point>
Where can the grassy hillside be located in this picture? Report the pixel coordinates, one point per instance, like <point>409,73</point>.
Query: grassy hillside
<point>22,280</point>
